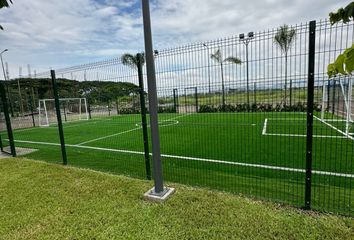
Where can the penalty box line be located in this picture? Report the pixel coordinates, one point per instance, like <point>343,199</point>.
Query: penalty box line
<point>252,165</point>
<point>128,131</point>
<point>265,133</point>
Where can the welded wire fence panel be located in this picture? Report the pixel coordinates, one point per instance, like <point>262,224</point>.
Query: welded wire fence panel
<point>31,139</point>
<point>334,154</point>
<point>238,113</point>
<point>232,116</point>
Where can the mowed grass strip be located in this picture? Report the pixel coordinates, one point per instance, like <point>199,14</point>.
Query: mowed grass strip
<point>45,201</point>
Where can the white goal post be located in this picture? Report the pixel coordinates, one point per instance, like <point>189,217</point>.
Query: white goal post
<point>337,102</point>
<point>71,109</point>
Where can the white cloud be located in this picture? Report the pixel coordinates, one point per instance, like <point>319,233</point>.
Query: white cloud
<point>61,33</point>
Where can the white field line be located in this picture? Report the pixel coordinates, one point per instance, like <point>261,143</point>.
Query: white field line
<point>288,119</point>
<point>68,125</point>
<point>131,130</point>
<point>173,122</point>
<point>112,135</point>
<point>326,173</point>
<point>25,129</point>
<point>264,132</point>
<point>333,127</point>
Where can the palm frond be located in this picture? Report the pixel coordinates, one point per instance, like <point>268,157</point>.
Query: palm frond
<point>129,60</point>
<point>5,3</point>
<point>233,60</point>
<point>217,56</point>
<point>284,38</point>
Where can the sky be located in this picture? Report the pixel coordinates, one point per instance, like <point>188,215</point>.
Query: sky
<point>55,34</point>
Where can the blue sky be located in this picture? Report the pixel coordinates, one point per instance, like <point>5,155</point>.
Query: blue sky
<point>55,34</point>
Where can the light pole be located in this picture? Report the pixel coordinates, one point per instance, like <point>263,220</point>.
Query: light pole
<point>205,45</point>
<point>7,87</point>
<point>159,192</point>
<point>246,41</point>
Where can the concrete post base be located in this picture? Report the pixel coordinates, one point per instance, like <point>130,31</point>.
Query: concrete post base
<point>151,195</point>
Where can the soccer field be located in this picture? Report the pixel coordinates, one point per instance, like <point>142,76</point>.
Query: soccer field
<point>257,154</point>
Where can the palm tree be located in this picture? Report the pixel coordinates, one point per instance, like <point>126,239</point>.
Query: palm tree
<point>133,61</point>
<point>284,38</point>
<point>217,57</point>
<point>137,62</point>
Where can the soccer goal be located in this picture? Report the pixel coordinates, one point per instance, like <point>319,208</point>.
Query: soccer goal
<point>71,109</point>
<point>337,104</point>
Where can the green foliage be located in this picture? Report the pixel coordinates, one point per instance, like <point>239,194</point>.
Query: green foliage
<point>4,3</point>
<point>133,61</point>
<point>96,92</point>
<point>233,60</point>
<point>259,107</point>
<point>343,14</point>
<point>344,64</point>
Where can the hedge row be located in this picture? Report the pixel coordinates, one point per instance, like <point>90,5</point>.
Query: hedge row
<point>264,107</point>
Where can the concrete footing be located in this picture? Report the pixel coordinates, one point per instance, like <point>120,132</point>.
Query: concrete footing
<point>151,195</point>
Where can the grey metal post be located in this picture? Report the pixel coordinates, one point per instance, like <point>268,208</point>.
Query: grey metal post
<point>150,68</point>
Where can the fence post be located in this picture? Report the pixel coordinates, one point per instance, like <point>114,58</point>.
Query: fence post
<point>143,117</point>
<point>310,103</point>
<point>175,100</point>
<point>158,193</point>
<point>196,99</point>
<point>60,124</point>
<point>117,103</point>
<point>7,118</point>
<point>89,108</point>
<point>31,108</point>
<point>255,92</point>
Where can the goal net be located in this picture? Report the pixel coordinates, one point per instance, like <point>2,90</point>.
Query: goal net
<point>337,104</point>
<point>71,109</point>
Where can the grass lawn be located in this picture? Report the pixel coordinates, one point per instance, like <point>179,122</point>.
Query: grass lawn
<point>45,201</point>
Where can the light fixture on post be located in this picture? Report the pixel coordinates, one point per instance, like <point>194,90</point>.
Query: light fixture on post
<point>246,41</point>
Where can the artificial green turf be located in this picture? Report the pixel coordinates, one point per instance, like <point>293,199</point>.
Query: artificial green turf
<point>45,201</point>
<point>231,137</point>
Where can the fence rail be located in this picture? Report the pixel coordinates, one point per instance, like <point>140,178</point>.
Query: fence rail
<point>243,114</point>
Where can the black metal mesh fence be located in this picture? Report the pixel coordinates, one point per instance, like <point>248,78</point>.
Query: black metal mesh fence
<point>232,116</point>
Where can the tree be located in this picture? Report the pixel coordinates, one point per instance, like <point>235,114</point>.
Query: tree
<point>344,64</point>
<point>284,38</point>
<point>217,57</point>
<point>136,62</point>
<point>133,61</point>
<point>4,3</point>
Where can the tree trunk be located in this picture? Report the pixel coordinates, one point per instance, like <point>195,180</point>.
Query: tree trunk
<point>222,86</point>
<point>286,75</point>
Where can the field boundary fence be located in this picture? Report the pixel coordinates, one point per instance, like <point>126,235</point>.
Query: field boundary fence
<point>253,114</point>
